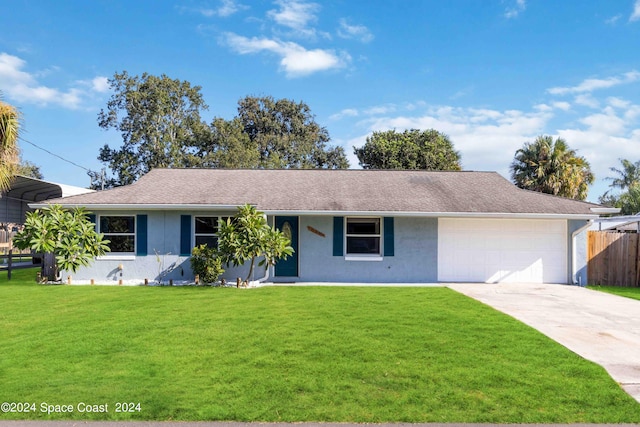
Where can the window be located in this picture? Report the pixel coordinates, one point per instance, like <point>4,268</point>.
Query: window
<point>120,231</point>
<point>206,230</point>
<point>363,236</point>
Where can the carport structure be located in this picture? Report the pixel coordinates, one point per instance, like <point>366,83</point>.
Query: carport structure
<point>14,203</point>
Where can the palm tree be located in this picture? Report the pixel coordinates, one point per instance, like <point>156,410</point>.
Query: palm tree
<point>628,181</point>
<point>629,201</point>
<point>628,176</point>
<point>551,167</point>
<point>9,153</point>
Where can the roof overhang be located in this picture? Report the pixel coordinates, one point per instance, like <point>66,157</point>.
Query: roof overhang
<point>605,210</point>
<point>224,208</point>
<point>137,206</point>
<point>522,215</point>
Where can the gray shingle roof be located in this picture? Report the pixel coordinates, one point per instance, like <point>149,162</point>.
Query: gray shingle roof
<point>333,191</point>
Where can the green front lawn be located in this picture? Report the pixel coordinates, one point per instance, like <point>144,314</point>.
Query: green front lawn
<point>288,354</point>
<point>619,290</point>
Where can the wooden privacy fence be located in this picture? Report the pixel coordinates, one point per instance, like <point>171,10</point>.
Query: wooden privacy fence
<point>613,259</point>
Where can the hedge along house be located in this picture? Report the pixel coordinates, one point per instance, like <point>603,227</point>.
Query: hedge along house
<point>346,226</point>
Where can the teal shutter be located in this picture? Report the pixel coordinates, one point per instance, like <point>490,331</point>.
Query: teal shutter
<point>92,219</point>
<point>141,235</point>
<point>338,235</point>
<point>185,235</point>
<point>388,236</point>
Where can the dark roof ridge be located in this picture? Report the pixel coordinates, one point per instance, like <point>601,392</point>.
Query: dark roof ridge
<point>321,170</point>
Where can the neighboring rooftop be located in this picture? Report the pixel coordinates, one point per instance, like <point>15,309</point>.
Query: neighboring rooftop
<point>321,190</point>
<point>24,190</point>
<point>28,189</point>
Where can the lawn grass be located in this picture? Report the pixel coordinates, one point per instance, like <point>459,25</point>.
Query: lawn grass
<point>341,354</point>
<point>628,292</point>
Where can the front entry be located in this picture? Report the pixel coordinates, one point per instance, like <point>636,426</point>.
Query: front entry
<point>289,227</point>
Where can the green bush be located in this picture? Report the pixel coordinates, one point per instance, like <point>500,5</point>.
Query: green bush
<point>206,264</point>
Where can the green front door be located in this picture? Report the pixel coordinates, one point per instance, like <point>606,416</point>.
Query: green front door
<point>289,227</point>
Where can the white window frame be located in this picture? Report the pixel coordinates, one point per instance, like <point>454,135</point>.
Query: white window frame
<point>120,255</point>
<point>363,257</point>
<point>196,234</point>
<point>195,226</point>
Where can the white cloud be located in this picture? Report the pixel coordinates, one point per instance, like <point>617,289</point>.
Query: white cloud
<point>635,15</point>
<point>516,9</point>
<point>24,87</point>
<point>225,9</point>
<point>100,84</point>
<point>590,85</point>
<point>296,15</point>
<point>604,123</point>
<point>347,112</point>
<point>296,61</point>
<point>410,106</point>
<point>380,109</point>
<point>586,100</point>
<point>358,32</point>
<point>613,20</point>
<point>487,138</point>
<point>602,150</point>
<point>618,102</point>
<point>229,7</point>
<point>561,105</point>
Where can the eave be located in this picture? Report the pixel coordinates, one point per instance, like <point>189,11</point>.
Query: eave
<point>217,208</point>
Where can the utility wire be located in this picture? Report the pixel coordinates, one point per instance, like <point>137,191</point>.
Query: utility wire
<point>54,154</point>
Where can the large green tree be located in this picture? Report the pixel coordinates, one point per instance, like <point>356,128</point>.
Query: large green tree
<point>226,146</point>
<point>411,149</point>
<point>287,136</point>
<point>9,153</point>
<point>159,120</point>
<point>550,166</point>
<point>29,169</point>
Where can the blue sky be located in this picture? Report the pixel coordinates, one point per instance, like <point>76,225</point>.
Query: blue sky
<point>492,74</point>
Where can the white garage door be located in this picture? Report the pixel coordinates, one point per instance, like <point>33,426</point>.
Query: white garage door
<point>502,250</point>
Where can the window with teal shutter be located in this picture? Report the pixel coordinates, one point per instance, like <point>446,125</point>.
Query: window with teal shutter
<point>185,235</point>
<point>338,235</point>
<point>141,235</point>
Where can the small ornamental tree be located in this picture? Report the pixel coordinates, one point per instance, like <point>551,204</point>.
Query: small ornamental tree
<point>247,236</point>
<point>68,234</point>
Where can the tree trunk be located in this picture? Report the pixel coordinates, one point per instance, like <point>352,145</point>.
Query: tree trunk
<point>253,260</point>
<point>49,267</point>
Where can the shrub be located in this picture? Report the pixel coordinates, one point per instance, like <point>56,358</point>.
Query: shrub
<point>206,264</point>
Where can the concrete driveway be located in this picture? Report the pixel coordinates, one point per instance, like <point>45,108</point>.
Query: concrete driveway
<point>599,327</point>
